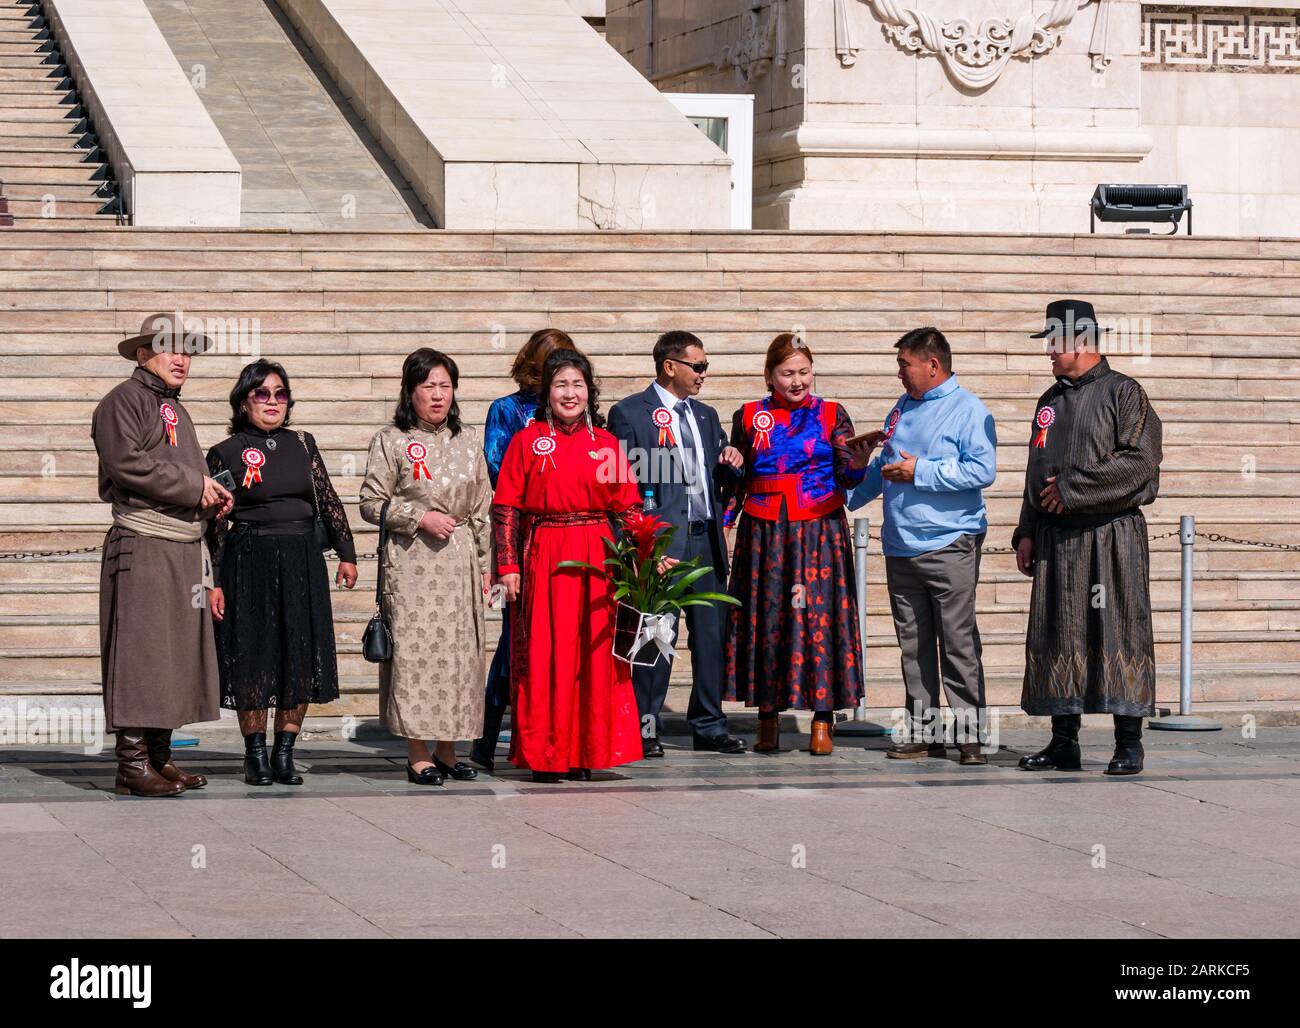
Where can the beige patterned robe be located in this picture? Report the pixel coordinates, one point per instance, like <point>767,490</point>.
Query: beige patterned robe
<point>433,589</point>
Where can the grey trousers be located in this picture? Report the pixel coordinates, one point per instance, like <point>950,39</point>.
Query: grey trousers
<point>933,601</point>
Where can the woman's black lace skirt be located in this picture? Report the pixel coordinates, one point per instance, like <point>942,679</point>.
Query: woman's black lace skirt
<point>275,647</point>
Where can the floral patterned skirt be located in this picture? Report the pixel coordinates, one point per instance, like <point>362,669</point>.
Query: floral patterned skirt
<point>794,640</point>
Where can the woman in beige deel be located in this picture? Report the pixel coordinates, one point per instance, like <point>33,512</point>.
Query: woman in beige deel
<point>431,471</point>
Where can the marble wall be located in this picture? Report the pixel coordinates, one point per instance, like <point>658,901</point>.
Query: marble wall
<point>990,115</point>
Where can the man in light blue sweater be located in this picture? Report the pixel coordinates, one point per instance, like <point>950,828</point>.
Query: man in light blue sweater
<point>939,453</point>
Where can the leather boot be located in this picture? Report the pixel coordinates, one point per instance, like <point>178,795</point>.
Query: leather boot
<point>821,745</point>
<point>282,769</point>
<point>769,735</point>
<point>257,768</point>
<point>135,775</point>
<point>159,743</point>
<point>1128,746</point>
<point>1062,753</point>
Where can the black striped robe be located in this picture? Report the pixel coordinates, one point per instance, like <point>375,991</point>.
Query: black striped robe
<point>1089,646</point>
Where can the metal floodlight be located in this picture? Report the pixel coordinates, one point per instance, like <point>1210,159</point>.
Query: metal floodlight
<point>1113,202</point>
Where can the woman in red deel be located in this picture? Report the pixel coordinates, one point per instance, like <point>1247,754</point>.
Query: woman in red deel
<point>574,708</point>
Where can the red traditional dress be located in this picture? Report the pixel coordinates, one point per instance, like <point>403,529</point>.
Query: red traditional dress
<point>572,698</point>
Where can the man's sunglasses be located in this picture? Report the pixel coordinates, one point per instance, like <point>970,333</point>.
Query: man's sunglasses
<point>699,368</point>
<point>264,396</point>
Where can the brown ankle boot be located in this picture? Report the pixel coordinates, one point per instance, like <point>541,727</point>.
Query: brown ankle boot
<point>769,735</point>
<point>159,743</point>
<point>135,775</point>
<point>821,739</point>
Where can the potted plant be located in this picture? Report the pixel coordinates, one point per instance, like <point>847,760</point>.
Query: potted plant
<point>648,600</point>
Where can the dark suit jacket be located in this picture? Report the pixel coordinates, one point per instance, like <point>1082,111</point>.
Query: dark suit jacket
<point>660,468</point>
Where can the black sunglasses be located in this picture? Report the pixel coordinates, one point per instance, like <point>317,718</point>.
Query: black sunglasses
<point>699,368</point>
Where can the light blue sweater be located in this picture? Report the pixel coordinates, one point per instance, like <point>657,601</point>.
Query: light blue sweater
<point>952,436</point>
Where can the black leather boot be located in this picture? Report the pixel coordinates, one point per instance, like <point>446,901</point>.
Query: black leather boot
<point>257,768</point>
<point>483,750</point>
<point>1128,746</point>
<point>282,769</point>
<point>1062,753</point>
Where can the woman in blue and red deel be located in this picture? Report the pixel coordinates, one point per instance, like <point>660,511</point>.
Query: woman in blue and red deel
<point>794,641</point>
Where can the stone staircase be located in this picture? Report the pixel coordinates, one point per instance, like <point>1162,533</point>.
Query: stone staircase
<point>52,171</point>
<point>342,309</point>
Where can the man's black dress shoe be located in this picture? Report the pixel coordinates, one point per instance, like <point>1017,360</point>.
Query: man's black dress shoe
<point>429,776</point>
<point>579,774</point>
<point>652,748</point>
<point>482,757</point>
<point>460,771</point>
<point>720,744</point>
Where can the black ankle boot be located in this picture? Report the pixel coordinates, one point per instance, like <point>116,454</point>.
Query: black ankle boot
<point>1128,746</point>
<point>257,768</point>
<point>1062,753</point>
<point>282,768</point>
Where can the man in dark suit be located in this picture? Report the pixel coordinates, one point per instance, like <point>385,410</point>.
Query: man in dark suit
<point>681,456</point>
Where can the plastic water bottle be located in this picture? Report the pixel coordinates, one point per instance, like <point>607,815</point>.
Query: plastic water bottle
<point>648,502</point>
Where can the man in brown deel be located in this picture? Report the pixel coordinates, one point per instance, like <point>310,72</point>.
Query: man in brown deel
<point>156,638</point>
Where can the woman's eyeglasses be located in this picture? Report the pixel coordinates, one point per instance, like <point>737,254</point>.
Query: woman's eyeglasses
<point>264,396</point>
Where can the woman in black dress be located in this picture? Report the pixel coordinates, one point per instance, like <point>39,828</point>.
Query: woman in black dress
<point>274,624</point>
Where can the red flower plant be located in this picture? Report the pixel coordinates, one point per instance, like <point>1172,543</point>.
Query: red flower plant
<point>643,530</point>
<point>633,569</point>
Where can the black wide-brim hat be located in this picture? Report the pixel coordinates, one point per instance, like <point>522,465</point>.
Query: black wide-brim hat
<point>1069,318</point>
<point>167,332</point>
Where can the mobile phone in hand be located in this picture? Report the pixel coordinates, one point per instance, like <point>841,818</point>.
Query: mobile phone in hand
<point>225,479</point>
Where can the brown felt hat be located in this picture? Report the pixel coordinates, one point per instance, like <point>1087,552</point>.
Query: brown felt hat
<point>167,332</point>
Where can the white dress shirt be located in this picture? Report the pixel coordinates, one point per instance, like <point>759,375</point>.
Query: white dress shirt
<point>670,402</point>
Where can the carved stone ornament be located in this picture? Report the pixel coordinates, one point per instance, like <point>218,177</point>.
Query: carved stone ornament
<point>974,55</point>
<point>761,43</point>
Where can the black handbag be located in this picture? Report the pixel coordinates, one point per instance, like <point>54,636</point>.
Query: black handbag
<point>377,642</point>
<point>319,532</point>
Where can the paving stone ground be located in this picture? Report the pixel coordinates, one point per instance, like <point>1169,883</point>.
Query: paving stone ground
<point>1205,843</point>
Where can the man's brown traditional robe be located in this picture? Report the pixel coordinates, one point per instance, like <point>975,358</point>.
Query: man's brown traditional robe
<point>1089,646</point>
<point>156,638</point>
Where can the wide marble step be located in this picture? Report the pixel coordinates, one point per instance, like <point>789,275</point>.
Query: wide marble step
<point>343,308</point>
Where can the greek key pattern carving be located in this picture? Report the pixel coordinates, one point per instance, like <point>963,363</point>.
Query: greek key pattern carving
<point>1220,39</point>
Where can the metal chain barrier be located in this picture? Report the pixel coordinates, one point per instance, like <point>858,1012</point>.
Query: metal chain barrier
<point>1213,537</point>
<point>1155,538</point>
<point>43,554</point>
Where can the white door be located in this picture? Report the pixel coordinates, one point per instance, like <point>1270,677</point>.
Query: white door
<point>727,119</point>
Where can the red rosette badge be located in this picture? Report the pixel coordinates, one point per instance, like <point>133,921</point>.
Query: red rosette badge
<point>415,453</point>
<point>764,422</point>
<point>892,424</point>
<point>253,459</point>
<point>171,419</point>
<point>1044,420</point>
<point>544,447</point>
<point>663,419</point>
